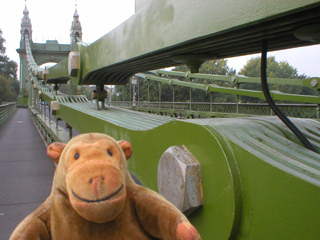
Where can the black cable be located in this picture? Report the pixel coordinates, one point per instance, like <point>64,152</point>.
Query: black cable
<point>272,104</point>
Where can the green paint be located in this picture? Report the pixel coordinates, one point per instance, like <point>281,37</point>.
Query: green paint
<point>163,30</point>
<point>240,79</point>
<point>276,95</point>
<point>257,179</point>
<point>258,182</point>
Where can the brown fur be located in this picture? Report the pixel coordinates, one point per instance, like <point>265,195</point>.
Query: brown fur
<point>94,197</point>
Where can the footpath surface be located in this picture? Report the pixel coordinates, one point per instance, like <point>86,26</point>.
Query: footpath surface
<point>26,172</point>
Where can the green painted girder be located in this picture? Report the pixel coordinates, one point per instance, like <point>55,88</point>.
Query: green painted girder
<point>240,79</point>
<point>258,181</point>
<point>60,72</point>
<point>165,30</point>
<point>47,93</point>
<point>276,95</point>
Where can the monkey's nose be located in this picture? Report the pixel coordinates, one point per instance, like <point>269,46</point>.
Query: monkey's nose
<point>96,183</point>
<point>92,180</point>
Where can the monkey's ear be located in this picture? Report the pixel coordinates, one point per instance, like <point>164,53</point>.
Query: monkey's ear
<point>54,151</point>
<point>126,147</point>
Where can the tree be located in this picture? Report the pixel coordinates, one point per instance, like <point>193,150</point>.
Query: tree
<point>2,41</point>
<point>8,67</point>
<point>9,85</point>
<point>219,67</point>
<point>6,93</point>
<point>275,69</point>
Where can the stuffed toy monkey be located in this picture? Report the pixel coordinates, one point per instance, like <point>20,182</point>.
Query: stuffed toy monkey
<point>93,197</point>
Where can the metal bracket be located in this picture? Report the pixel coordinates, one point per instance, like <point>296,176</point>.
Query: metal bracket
<point>101,96</point>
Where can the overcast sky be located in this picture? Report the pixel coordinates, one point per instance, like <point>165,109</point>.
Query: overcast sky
<point>52,20</point>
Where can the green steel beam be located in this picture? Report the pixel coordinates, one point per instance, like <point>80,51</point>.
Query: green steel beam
<point>257,178</point>
<point>276,95</point>
<point>313,83</point>
<point>258,181</point>
<point>59,70</point>
<point>164,31</point>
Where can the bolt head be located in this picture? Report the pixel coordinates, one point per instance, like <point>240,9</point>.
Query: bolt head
<point>73,64</point>
<point>179,179</point>
<point>34,72</point>
<point>234,79</point>
<point>314,82</point>
<point>54,107</point>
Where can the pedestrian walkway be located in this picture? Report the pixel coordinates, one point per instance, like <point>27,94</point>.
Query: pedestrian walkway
<point>26,172</point>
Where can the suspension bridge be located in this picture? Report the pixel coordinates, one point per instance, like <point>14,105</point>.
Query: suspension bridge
<point>236,170</point>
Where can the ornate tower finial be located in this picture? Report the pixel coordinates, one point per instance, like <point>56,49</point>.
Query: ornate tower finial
<point>76,29</point>
<point>25,7</point>
<point>26,27</point>
<point>76,9</point>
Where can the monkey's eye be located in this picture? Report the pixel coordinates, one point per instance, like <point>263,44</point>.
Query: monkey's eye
<point>76,156</point>
<point>109,152</point>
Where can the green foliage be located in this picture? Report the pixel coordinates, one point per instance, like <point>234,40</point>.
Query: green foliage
<point>275,69</point>
<point>6,93</point>
<point>9,85</point>
<point>219,67</point>
<point>2,41</point>
<point>8,67</point>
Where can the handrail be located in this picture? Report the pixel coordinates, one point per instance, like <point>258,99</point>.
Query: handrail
<point>6,110</point>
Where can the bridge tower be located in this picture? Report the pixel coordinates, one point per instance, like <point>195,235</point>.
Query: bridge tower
<point>26,27</point>
<point>26,30</point>
<point>76,29</point>
<point>51,51</point>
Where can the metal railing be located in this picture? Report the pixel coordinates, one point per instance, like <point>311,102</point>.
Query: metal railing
<point>307,106</point>
<point>6,110</point>
<point>165,77</point>
<point>206,109</point>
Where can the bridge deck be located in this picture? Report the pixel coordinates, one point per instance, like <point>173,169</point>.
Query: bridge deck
<point>25,171</point>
